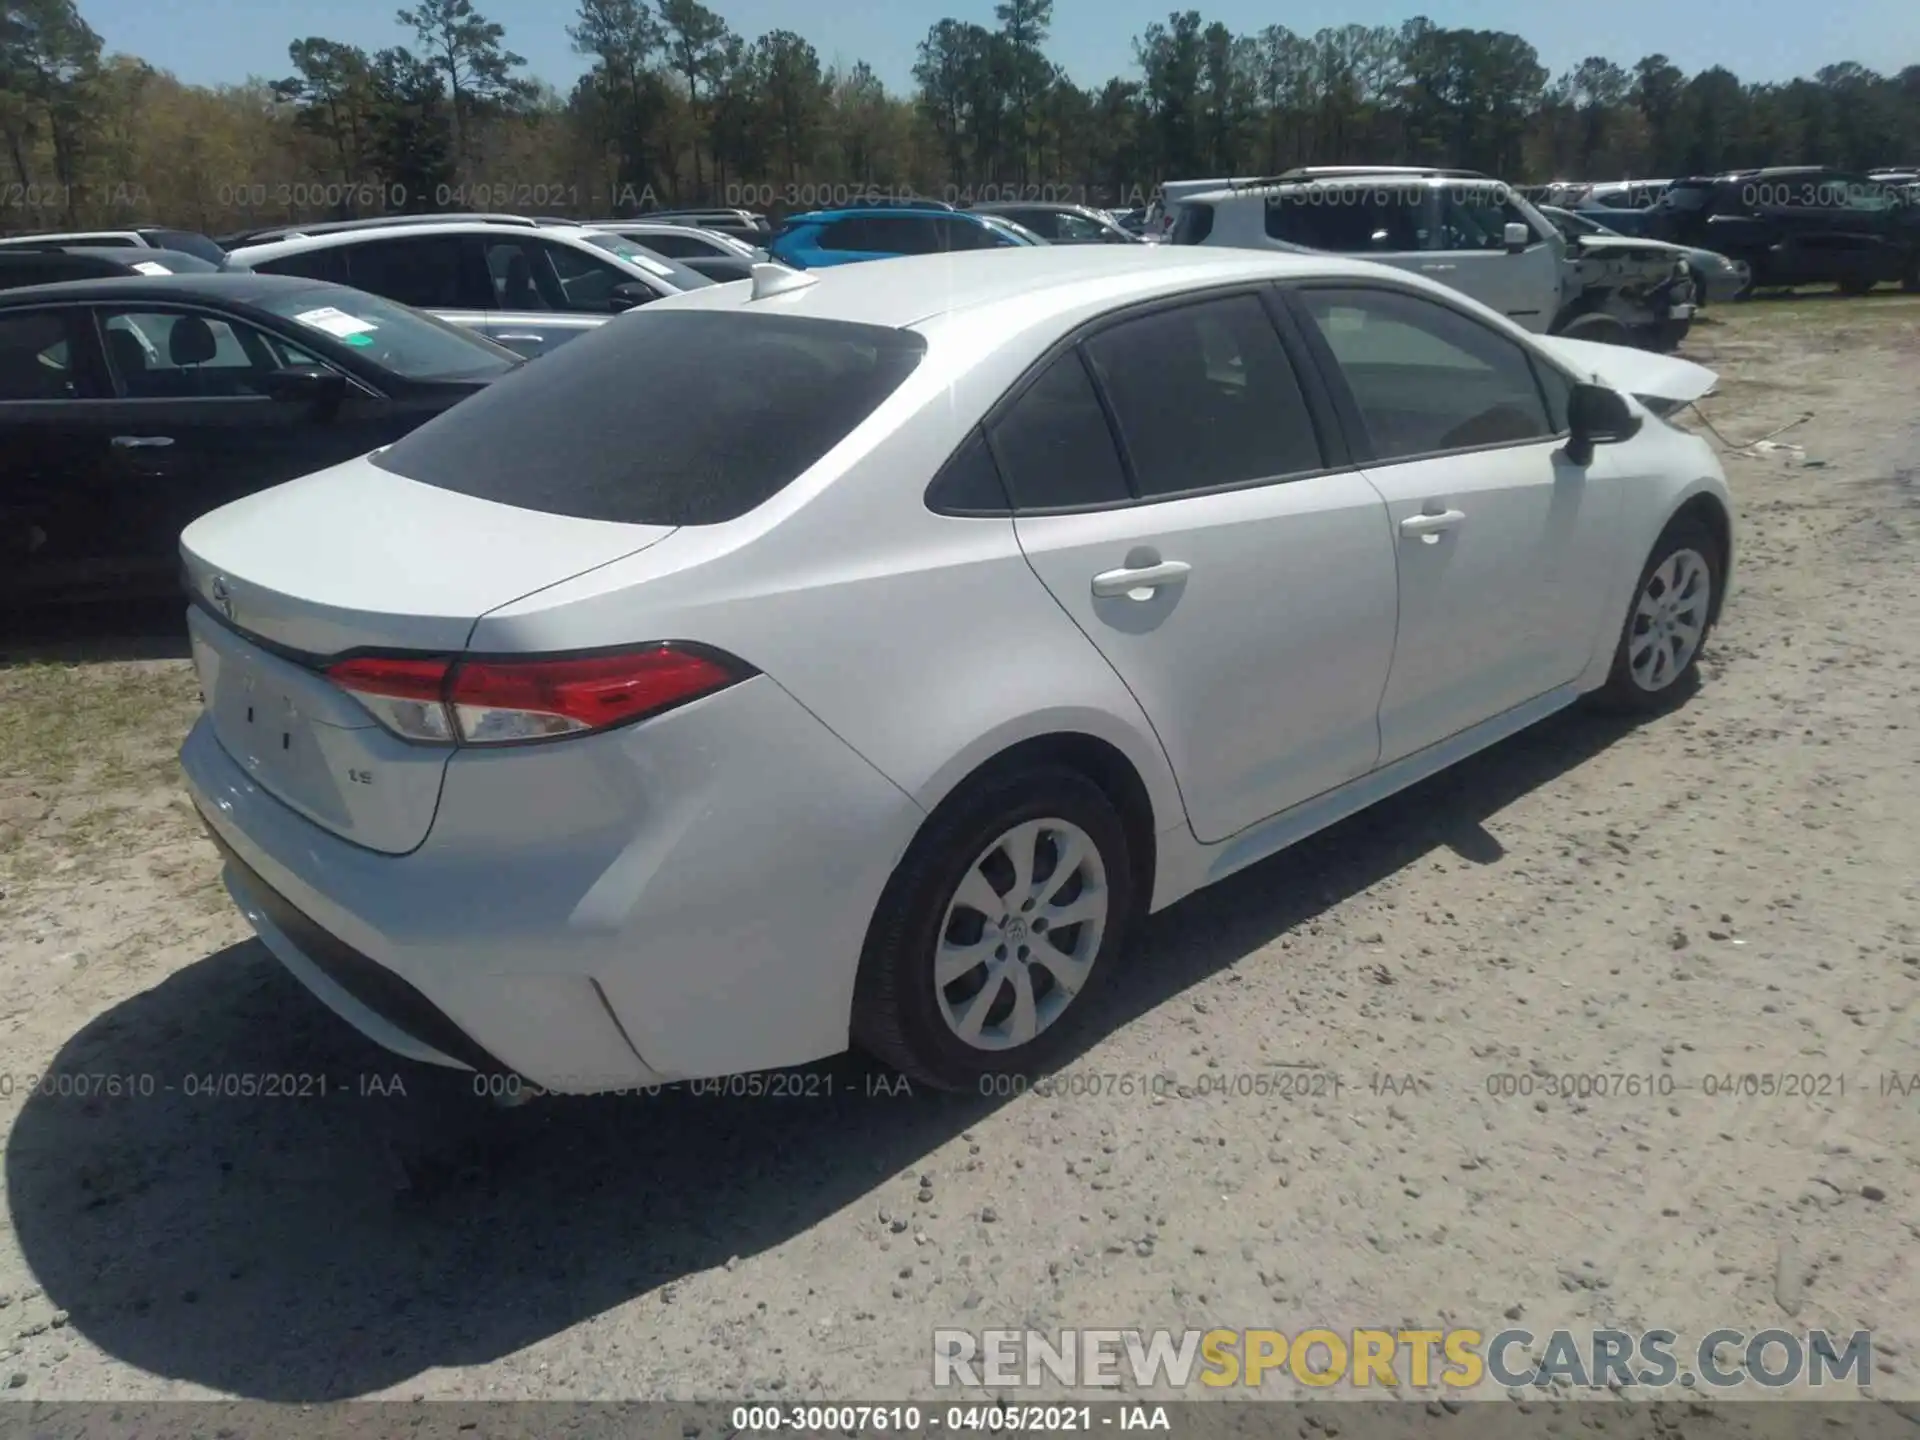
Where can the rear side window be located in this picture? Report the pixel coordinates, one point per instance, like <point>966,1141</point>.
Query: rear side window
<point>426,271</point>
<point>1054,445</point>
<point>663,417</point>
<point>1205,395</point>
<point>36,359</point>
<point>329,265</point>
<point>1193,224</point>
<point>1351,219</point>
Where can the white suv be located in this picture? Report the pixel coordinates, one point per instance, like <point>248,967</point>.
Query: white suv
<point>528,287</point>
<point>1457,227</point>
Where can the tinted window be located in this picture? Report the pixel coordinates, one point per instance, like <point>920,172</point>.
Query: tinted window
<point>899,235</point>
<point>1205,395</point>
<point>847,235</point>
<point>970,481</point>
<point>47,269</point>
<point>1425,377</point>
<point>1192,224</point>
<point>36,362</point>
<point>966,234</point>
<point>1048,224</point>
<point>666,418</point>
<point>403,341</point>
<point>427,270</point>
<point>309,265</point>
<point>1350,219</point>
<point>1054,445</point>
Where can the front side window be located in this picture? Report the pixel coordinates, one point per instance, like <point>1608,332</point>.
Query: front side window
<point>1425,378</point>
<point>1069,226</point>
<point>36,358</point>
<point>1205,395</point>
<point>897,235</point>
<point>1473,219</point>
<point>184,355</point>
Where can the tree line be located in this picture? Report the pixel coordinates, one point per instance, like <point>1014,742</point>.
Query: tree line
<point>677,108</point>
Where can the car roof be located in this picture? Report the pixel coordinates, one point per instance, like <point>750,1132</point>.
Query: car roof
<point>121,254</point>
<point>867,212</point>
<point>294,245</point>
<point>911,290</point>
<point>242,287</point>
<point>1001,207</point>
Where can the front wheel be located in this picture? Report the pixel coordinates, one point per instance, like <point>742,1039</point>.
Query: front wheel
<point>1655,663</point>
<point>1007,910</point>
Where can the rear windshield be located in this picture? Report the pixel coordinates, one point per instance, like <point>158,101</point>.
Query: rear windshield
<point>663,417</point>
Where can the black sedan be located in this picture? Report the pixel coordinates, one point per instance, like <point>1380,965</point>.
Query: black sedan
<point>130,407</point>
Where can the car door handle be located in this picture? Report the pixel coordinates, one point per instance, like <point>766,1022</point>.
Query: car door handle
<point>532,339</point>
<point>1432,524</point>
<point>1109,583</point>
<point>1436,268</point>
<point>142,442</point>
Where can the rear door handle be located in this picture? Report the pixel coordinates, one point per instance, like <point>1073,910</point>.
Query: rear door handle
<point>1110,583</point>
<point>1436,268</point>
<point>142,442</point>
<point>530,339</point>
<point>1432,524</point>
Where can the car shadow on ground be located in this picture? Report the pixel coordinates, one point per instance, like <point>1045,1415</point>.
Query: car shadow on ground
<point>263,1247</point>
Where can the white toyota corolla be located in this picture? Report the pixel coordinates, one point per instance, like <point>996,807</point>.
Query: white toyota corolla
<point>854,657</point>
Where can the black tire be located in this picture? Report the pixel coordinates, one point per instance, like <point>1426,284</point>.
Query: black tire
<point>1665,337</point>
<point>1853,284</point>
<point>1910,282</point>
<point>1699,288</point>
<point>1628,692</point>
<point>1592,325</point>
<point>897,1009</point>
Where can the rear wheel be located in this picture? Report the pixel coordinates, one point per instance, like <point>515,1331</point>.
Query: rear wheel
<point>1006,912</point>
<point>1854,285</point>
<point>1910,282</point>
<point>1654,665</point>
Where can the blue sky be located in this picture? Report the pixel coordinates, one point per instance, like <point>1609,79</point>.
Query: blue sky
<point>207,41</point>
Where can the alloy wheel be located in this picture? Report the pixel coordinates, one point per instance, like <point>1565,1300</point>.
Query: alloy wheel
<point>1020,934</point>
<point>1669,620</point>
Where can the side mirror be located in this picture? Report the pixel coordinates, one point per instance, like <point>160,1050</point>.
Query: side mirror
<point>628,294</point>
<point>1518,237</point>
<point>303,385</point>
<point>1597,416</point>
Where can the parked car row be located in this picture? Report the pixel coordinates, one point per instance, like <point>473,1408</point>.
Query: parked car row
<point>1784,226</point>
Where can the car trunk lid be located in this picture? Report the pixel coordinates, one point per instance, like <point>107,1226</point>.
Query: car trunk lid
<point>348,560</point>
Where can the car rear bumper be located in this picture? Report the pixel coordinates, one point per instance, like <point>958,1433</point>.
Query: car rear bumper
<point>682,898</point>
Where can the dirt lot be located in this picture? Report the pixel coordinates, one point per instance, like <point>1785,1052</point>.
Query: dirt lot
<point>1729,890</point>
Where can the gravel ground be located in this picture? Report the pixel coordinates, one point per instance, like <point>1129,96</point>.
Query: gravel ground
<point>1729,890</point>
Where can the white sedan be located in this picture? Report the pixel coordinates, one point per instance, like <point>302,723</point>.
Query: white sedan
<point>855,657</point>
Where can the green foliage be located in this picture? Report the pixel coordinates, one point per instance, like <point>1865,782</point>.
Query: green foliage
<point>677,108</point>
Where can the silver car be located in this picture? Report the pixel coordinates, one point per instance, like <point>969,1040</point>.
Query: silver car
<point>1716,277</point>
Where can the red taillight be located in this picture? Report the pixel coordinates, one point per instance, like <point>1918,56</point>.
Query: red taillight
<point>500,702</point>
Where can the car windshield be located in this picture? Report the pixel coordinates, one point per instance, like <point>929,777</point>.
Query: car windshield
<point>1020,233</point>
<point>680,276</point>
<point>412,345</point>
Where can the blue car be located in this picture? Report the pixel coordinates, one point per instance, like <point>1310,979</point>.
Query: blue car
<point>840,237</point>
